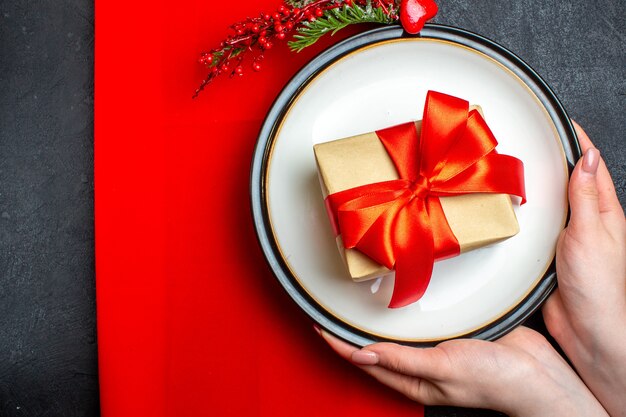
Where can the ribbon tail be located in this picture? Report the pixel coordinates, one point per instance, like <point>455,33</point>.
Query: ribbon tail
<point>414,255</point>
<point>445,243</point>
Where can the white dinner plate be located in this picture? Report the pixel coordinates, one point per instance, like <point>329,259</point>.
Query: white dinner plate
<point>380,79</point>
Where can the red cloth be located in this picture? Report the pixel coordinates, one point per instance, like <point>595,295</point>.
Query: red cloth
<point>171,342</point>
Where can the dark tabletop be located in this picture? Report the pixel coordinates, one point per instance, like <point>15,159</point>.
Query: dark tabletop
<point>48,353</point>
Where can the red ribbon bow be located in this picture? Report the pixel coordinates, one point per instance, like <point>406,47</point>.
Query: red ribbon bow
<point>400,223</point>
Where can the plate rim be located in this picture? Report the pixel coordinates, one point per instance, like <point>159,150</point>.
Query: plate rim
<point>258,198</point>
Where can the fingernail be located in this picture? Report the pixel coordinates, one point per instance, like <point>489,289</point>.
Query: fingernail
<point>365,357</point>
<point>591,160</point>
<point>317,329</point>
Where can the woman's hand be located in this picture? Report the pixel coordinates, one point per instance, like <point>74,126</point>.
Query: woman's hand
<point>519,374</point>
<point>587,313</point>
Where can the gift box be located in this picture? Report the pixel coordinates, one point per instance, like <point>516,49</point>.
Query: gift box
<point>475,208</point>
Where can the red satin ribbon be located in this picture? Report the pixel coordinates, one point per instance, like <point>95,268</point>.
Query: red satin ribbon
<point>400,223</point>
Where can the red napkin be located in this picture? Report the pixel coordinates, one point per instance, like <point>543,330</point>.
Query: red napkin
<point>174,236</point>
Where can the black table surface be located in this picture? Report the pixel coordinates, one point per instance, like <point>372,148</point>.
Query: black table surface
<point>48,349</point>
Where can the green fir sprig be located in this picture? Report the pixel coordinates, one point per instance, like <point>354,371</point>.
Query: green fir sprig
<point>336,19</point>
<point>307,20</point>
<point>298,3</point>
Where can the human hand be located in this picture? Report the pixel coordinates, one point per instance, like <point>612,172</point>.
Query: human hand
<point>587,313</point>
<point>519,374</point>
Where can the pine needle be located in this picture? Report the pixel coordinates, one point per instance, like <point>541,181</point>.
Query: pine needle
<point>334,20</point>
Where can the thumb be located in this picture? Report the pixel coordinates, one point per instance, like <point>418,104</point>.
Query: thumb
<point>429,363</point>
<point>583,191</point>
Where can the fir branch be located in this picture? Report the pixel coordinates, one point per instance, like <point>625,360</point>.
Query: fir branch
<point>336,19</point>
<point>298,3</point>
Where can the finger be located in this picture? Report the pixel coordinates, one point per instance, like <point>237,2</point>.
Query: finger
<point>583,194</point>
<point>431,363</point>
<point>426,363</point>
<point>607,197</point>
